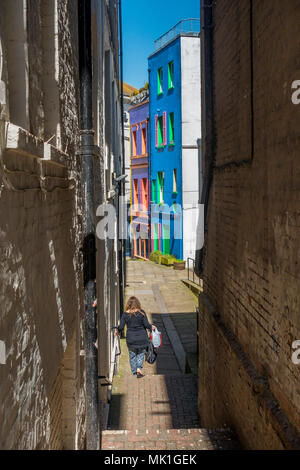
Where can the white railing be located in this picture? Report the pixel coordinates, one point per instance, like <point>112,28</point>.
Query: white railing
<point>189,26</point>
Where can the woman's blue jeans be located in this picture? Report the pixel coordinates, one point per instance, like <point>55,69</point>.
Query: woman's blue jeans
<point>136,357</point>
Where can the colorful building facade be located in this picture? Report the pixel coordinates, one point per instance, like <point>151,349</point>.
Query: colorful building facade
<point>139,164</point>
<point>175,123</point>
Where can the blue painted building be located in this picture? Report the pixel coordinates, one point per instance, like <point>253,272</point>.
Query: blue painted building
<point>174,79</point>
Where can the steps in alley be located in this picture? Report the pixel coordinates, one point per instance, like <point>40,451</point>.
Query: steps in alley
<point>159,412</point>
<point>170,439</point>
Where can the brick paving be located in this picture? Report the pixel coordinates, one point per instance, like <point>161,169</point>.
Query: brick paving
<point>155,402</point>
<point>171,439</point>
<point>159,411</point>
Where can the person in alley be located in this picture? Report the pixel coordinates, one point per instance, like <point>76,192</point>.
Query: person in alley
<point>137,323</point>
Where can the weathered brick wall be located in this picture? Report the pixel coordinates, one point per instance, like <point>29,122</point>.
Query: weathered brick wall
<point>251,273</point>
<point>41,304</point>
<point>36,112</point>
<point>68,73</point>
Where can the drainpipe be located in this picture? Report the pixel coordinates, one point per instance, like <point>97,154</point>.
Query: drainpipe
<point>122,243</point>
<point>149,166</point>
<point>149,183</point>
<point>86,153</point>
<point>208,130</point>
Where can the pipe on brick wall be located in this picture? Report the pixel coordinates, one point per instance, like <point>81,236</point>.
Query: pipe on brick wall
<point>122,243</point>
<point>208,129</point>
<point>149,171</point>
<point>86,153</point>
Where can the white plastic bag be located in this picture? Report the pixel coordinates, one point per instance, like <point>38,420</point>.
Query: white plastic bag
<point>155,338</point>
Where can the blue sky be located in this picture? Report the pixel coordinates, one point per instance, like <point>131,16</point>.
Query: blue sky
<point>143,22</point>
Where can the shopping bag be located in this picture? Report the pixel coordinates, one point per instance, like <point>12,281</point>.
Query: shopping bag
<point>155,338</point>
<point>151,354</point>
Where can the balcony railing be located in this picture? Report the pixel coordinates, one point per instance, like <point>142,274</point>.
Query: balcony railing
<point>190,26</point>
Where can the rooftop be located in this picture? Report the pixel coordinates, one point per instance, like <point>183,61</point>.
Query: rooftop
<point>188,27</point>
<point>128,89</point>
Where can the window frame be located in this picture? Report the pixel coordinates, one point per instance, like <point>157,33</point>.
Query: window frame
<point>160,81</point>
<point>154,191</point>
<point>171,128</point>
<point>160,132</point>
<point>135,191</point>
<point>160,187</point>
<point>144,141</point>
<point>171,75</point>
<point>134,142</point>
<point>175,187</point>
<point>145,193</point>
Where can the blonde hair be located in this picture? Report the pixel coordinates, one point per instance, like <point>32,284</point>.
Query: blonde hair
<point>133,306</point>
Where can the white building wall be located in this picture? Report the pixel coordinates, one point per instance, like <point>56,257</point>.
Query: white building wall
<point>127,145</point>
<point>191,132</point>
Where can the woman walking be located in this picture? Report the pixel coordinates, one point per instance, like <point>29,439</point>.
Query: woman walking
<point>137,339</point>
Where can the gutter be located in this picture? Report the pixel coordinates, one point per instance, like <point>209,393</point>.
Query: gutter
<point>121,243</point>
<point>87,153</point>
<point>208,126</point>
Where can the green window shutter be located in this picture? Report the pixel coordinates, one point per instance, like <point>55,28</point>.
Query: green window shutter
<point>175,180</point>
<point>171,75</point>
<point>171,128</point>
<point>160,81</point>
<point>160,187</point>
<point>166,238</point>
<point>160,131</point>
<point>154,195</point>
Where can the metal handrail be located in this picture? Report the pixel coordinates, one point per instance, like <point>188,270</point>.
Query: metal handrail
<point>193,271</point>
<point>188,26</point>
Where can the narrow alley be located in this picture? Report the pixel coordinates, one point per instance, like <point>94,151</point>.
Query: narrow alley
<point>149,150</point>
<point>160,411</point>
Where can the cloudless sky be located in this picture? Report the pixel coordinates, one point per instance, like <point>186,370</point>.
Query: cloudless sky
<point>143,22</point>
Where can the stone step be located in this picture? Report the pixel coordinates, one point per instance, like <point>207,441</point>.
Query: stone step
<point>155,402</point>
<point>170,439</point>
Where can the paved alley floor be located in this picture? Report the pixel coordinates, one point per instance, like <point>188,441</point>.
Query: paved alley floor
<point>159,411</point>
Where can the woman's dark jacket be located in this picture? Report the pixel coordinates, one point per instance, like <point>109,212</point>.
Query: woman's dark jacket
<point>137,324</point>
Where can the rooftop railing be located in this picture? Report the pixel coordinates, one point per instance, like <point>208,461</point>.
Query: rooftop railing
<point>190,26</point>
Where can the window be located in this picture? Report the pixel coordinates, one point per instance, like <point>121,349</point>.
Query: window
<point>145,193</point>
<point>154,191</point>
<point>171,129</point>
<point>171,75</point>
<point>144,142</point>
<point>160,130</point>
<point>160,187</point>
<point>155,236</point>
<point>166,238</point>
<point>174,180</point>
<point>134,145</point>
<point>160,81</point>
<point>135,192</point>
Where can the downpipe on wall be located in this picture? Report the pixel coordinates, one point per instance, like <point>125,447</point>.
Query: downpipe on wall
<point>208,130</point>
<point>86,153</point>
<point>122,243</point>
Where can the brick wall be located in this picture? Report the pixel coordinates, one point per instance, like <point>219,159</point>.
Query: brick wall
<point>251,275</point>
<point>42,396</point>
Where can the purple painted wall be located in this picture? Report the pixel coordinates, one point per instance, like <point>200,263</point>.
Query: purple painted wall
<point>139,164</point>
<point>139,116</point>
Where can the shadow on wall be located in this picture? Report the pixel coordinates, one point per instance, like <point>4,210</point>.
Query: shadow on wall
<point>40,306</point>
